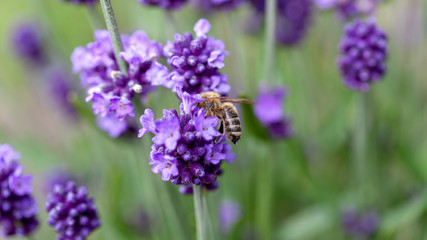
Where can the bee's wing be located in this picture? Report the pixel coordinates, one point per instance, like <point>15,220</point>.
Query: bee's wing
<point>233,100</point>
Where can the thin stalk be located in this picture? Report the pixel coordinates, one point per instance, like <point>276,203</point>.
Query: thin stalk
<point>360,160</point>
<point>198,211</point>
<point>171,25</point>
<point>270,39</point>
<point>208,219</point>
<point>110,21</point>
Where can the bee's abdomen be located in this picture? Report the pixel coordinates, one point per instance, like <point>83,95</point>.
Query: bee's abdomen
<point>232,126</point>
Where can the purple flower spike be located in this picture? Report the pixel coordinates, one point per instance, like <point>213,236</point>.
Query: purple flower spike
<point>166,4</point>
<point>195,61</point>
<point>230,213</point>
<point>269,111</point>
<point>360,225</point>
<point>363,50</point>
<point>18,209</point>
<point>110,91</point>
<point>185,150</point>
<point>72,213</point>
<point>27,42</point>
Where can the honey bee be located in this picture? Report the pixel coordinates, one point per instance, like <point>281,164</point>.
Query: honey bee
<point>223,108</point>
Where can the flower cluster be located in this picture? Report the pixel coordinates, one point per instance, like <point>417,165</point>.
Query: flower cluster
<point>196,61</point>
<point>166,4</point>
<point>72,214</point>
<point>82,2</point>
<point>363,50</point>
<point>60,88</point>
<point>293,18</point>
<point>213,5</point>
<point>18,207</point>
<point>360,225</point>
<point>27,42</point>
<point>109,90</point>
<point>348,9</point>
<point>269,111</point>
<point>187,148</point>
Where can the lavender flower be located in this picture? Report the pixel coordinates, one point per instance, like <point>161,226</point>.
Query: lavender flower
<point>269,111</point>
<point>196,61</point>
<point>293,19</point>
<point>109,90</point>
<point>360,225</point>
<point>184,150</point>
<point>229,214</point>
<point>72,214</point>
<point>215,5</point>
<point>363,50</point>
<point>166,4</point>
<point>27,42</point>
<point>18,207</point>
<point>82,2</point>
<point>112,125</point>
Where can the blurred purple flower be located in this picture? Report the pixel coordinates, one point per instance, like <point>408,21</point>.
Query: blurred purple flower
<point>82,2</point>
<point>360,225</point>
<point>60,88</point>
<point>230,213</point>
<point>269,111</point>
<point>196,61</point>
<point>166,4</point>
<point>18,208</point>
<point>293,19</point>
<point>363,53</point>
<point>27,42</point>
<point>72,214</point>
<point>348,9</point>
<point>184,151</point>
<point>217,5</point>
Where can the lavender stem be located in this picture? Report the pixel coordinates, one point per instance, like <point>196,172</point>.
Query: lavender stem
<point>360,148</point>
<point>110,21</point>
<point>198,211</point>
<point>270,39</point>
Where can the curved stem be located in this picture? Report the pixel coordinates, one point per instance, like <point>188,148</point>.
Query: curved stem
<point>110,21</point>
<point>198,211</point>
<point>270,38</point>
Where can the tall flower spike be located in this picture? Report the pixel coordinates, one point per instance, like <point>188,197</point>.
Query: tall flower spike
<point>72,214</point>
<point>27,42</point>
<point>110,91</point>
<point>166,4</point>
<point>269,111</point>
<point>184,151</point>
<point>18,208</point>
<point>196,61</point>
<point>363,52</point>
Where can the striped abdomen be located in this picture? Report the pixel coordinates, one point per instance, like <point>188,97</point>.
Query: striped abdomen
<point>231,119</point>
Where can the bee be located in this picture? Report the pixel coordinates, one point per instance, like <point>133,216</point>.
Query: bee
<point>223,108</point>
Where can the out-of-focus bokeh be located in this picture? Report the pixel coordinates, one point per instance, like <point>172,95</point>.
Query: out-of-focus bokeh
<point>309,189</point>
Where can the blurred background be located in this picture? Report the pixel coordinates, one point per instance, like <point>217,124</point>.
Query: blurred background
<point>307,192</point>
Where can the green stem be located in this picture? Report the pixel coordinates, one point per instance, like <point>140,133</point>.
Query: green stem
<point>198,211</point>
<point>110,21</point>
<point>360,160</point>
<point>208,219</point>
<point>270,38</point>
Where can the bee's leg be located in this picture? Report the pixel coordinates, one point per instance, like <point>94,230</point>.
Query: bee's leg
<point>220,130</point>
